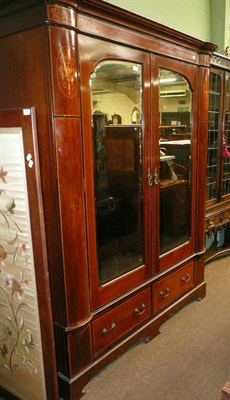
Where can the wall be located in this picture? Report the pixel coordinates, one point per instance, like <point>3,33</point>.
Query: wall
<point>217,12</point>
<point>189,16</point>
<point>227,24</point>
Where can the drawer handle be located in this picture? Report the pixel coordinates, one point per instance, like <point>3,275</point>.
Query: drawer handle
<point>186,278</point>
<point>140,311</point>
<point>165,293</point>
<point>105,331</point>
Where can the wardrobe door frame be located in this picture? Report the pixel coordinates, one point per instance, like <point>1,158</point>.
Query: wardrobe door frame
<point>217,199</point>
<point>91,53</point>
<point>190,73</point>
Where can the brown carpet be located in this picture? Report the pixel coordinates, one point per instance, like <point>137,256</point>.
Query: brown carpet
<point>189,360</point>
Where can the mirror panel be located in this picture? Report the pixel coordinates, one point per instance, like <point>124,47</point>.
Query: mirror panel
<point>116,104</point>
<point>175,160</point>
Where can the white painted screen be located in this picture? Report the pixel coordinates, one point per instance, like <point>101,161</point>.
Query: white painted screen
<point>21,363</point>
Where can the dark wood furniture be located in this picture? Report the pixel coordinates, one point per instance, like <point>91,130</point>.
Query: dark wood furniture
<point>225,392</point>
<point>56,56</point>
<point>171,130</point>
<point>218,164</point>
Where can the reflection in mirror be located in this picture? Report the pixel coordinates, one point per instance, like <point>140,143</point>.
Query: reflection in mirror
<point>116,103</point>
<point>175,160</point>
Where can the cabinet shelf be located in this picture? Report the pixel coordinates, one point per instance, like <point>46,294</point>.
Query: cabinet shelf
<point>171,130</point>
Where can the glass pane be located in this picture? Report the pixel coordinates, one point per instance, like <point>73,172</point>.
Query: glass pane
<point>116,101</point>
<point>226,142</point>
<point>213,132</point>
<point>175,160</point>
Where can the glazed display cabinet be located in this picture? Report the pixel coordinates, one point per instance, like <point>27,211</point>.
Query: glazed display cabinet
<point>218,165</point>
<point>121,109</point>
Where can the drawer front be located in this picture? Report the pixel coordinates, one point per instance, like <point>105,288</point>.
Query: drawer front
<point>172,287</point>
<point>117,322</point>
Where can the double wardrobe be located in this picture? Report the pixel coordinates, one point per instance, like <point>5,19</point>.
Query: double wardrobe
<point>126,146</point>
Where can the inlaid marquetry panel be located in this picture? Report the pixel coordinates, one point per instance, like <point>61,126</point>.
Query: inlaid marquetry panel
<point>64,71</point>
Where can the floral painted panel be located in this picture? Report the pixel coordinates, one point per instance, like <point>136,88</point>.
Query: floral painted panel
<point>21,363</point>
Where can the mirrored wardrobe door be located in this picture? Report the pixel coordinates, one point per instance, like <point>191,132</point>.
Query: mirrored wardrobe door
<point>116,136</point>
<point>175,138</point>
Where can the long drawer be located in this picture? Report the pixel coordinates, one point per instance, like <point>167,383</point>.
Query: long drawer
<point>172,287</point>
<point>117,322</point>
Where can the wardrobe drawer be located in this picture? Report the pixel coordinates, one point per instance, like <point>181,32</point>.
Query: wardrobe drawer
<point>173,286</point>
<point>118,321</point>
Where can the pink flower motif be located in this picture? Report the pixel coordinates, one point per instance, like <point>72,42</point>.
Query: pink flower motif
<point>15,285</point>
<point>3,175</point>
<point>8,280</point>
<point>23,249</point>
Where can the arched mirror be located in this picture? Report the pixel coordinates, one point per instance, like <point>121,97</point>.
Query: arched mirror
<point>116,104</point>
<point>175,106</point>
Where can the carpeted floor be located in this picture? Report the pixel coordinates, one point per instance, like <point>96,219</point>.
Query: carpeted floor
<point>189,360</point>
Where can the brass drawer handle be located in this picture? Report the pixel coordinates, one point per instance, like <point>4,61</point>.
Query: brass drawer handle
<point>186,278</point>
<point>165,293</point>
<point>105,331</point>
<point>140,311</point>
